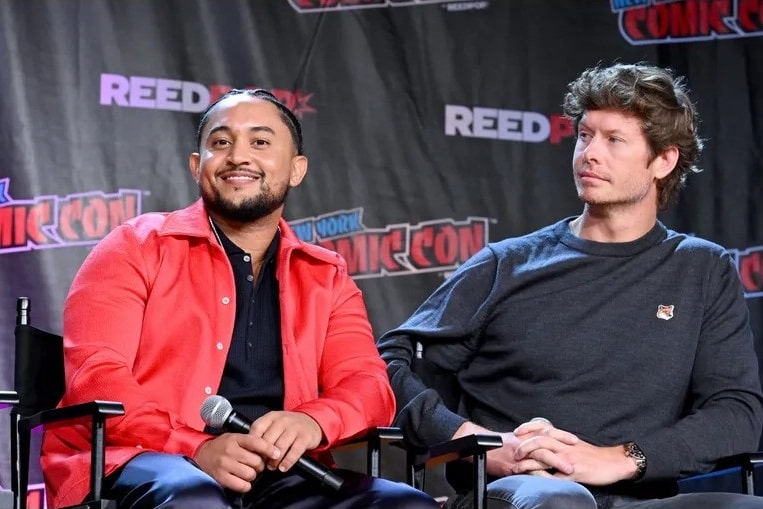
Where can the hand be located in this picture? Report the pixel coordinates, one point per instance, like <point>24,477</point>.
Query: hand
<point>234,459</point>
<point>292,433</point>
<point>594,465</point>
<point>502,461</point>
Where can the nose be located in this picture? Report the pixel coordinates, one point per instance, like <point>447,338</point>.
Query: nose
<point>591,150</point>
<point>239,153</point>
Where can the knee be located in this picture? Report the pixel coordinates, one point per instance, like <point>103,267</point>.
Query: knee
<point>569,499</point>
<point>187,492</point>
<point>199,492</point>
<point>539,493</point>
<point>402,496</point>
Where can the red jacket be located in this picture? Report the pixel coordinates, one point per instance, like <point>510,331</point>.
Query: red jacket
<point>148,322</point>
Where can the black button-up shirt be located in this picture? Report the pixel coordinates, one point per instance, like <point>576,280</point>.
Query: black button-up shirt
<point>253,377</point>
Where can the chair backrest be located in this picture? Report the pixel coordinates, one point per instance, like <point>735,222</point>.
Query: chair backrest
<point>38,365</point>
<point>457,473</point>
<point>444,382</point>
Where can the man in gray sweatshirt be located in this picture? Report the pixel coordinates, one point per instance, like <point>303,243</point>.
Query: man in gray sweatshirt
<point>612,354</point>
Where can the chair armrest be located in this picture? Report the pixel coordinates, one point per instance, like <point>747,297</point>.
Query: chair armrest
<point>469,445</point>
<point>388,433</point>
<point>91,410</point>
<point>372,436</point>
<point>372,439</point>
<point>9,398</point>
<point>747,459</point>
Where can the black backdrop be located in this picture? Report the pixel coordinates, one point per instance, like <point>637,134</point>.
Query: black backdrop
<point>432,127</point>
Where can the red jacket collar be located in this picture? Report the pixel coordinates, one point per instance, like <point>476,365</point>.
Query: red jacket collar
<point>193,221</point>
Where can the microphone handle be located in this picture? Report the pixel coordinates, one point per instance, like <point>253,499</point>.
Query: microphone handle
<point>319,472</point>
<point>241,424</point>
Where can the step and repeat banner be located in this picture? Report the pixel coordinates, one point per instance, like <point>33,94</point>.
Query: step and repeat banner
<point>432,127</point>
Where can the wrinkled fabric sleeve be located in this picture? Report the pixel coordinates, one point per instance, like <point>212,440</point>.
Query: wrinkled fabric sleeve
<point>355,393</point>
<point>448,324</point>
<point>103,315</point>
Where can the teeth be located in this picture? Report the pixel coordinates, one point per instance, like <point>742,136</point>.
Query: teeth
<point>239,178</point>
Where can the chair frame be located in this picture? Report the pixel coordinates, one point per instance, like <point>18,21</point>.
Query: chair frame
<point>22,425</point>
<point>475,446</point>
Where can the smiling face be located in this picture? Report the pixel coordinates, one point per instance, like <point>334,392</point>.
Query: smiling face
<point>247,160</point>
<point>613,164</point>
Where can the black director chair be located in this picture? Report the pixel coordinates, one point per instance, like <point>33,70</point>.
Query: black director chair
<point>39,385</point>
<point>460,474</point>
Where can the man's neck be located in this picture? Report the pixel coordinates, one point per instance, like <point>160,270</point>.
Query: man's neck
<point>610,224</point>
<point>252,237</point>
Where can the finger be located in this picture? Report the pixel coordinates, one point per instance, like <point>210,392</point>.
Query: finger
<point>552,460</point>
<point>541,473</point>
<point>244,472</point>
<point>234,483</point>
<point>296,451</point>
<point>259,447</point>
<point>286,443</point>
<point>562,436</point>
<point>528,446</point>
<point>528,466</point>
<point>266,426</point>
<point>275,431</point>
<point>532,427</point>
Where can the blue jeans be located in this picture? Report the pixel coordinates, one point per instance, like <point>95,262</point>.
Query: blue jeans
<point>155,480</point>
<point>533,492</point>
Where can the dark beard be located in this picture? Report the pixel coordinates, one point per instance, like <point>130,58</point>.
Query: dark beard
<point>249,210</point>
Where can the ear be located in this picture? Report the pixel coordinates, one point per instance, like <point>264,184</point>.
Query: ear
<point>665,162</point>
<point>193,165</point>
<point>298,170</point>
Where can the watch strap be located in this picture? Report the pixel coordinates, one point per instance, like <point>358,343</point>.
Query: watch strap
<point>634,452</point>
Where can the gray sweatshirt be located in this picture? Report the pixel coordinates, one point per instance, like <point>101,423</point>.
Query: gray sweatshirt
<point>646,341</point>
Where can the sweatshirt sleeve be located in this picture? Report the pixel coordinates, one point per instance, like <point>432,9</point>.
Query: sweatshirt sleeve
<point>725,412</point>
<point>448,324</point>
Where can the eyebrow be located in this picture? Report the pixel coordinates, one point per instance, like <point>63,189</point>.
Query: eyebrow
<point>615,130</point>
<point>253,129</point>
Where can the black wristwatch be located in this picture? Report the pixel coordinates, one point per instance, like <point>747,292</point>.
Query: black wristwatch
<point>634,452</point>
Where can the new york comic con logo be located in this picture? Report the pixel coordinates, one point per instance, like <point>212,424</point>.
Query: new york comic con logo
<point>400,249</point>
<point>672,21</point>
<point>337,5</point>
<point>47,222</point>
<point>749,264</point>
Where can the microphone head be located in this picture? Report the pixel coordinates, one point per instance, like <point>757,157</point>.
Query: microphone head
<point>215,411</point>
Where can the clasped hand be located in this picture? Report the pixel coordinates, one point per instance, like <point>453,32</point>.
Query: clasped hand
<point>562,455</point>
<point>538,448</point>
<point>276,441</point>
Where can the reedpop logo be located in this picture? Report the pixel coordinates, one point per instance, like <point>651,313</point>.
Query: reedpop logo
<point>186,96</point>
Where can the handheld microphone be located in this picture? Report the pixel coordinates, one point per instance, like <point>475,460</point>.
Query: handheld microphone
<point>217,412</point>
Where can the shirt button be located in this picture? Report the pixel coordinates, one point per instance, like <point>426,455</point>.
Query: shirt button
<point>247,258</point>
<point>226,300</point>
<point>250,278</point>
<point>208,390</point>
<point>219,346</point>
<point>139,446</point>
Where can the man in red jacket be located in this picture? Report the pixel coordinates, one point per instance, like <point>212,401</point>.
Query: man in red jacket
<point>223,298</point>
